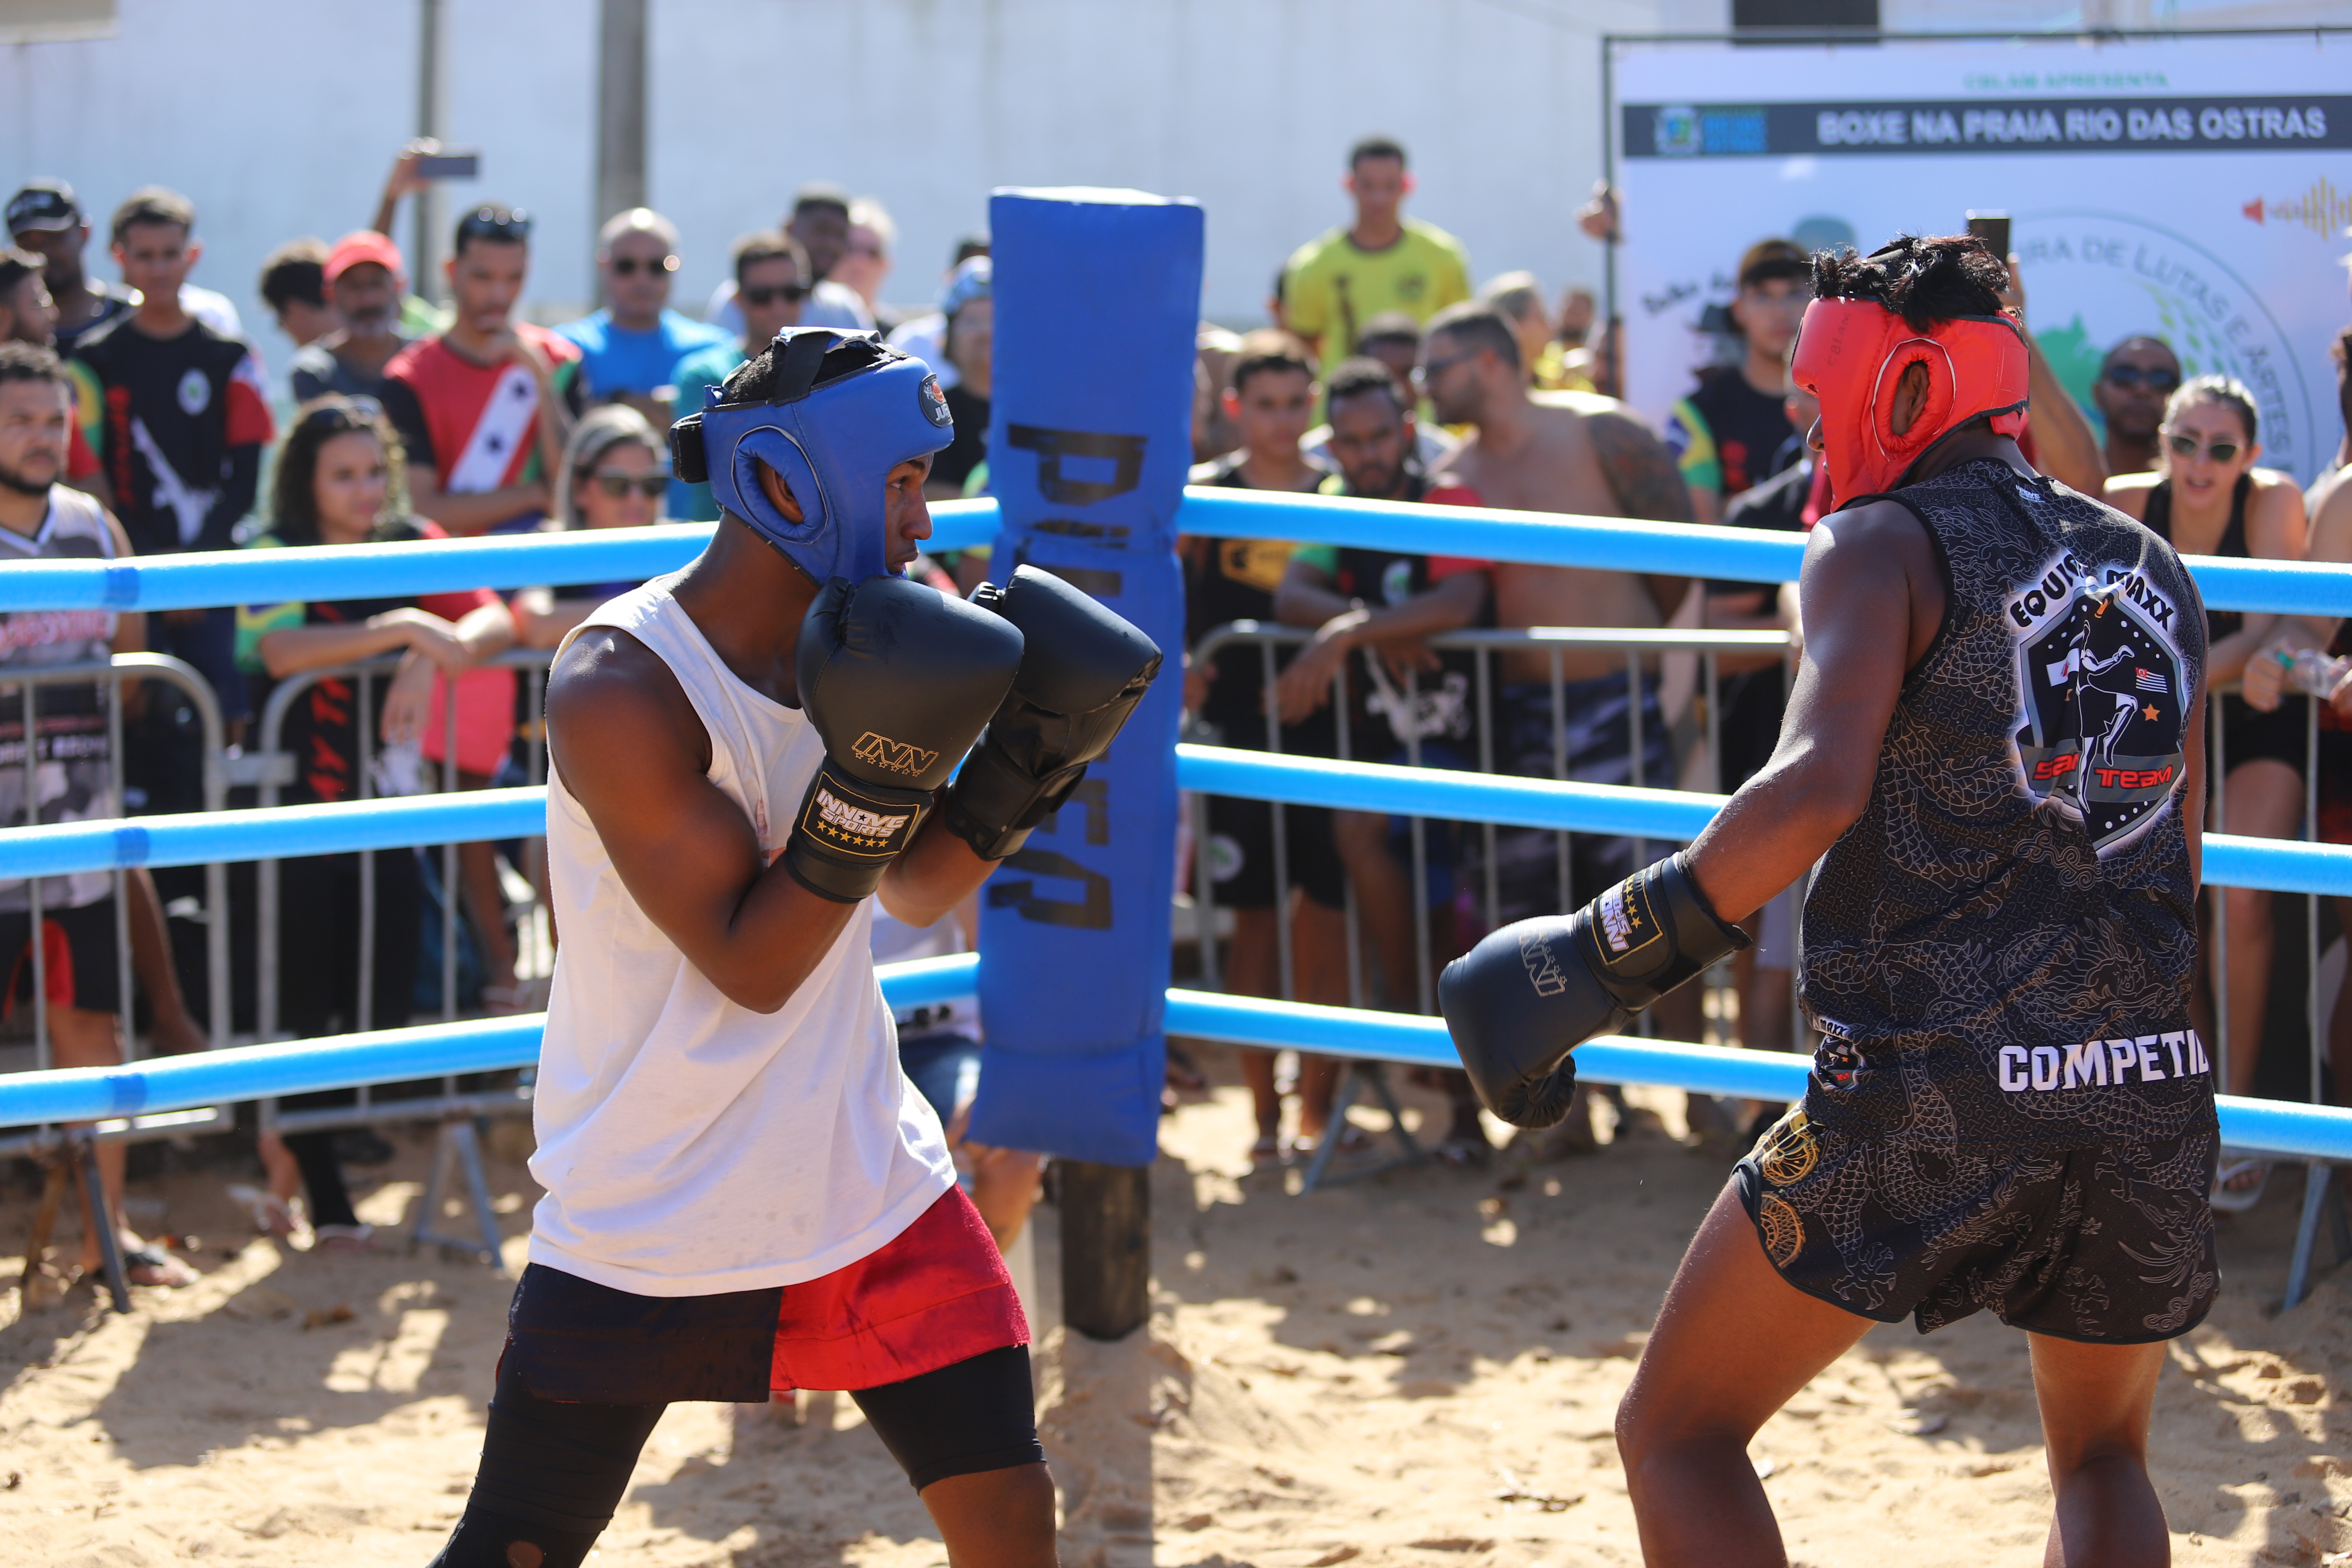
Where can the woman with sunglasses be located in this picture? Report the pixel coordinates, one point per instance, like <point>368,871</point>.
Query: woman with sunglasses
<point>339,480</point>
<point>2209,499</point>
<point>2329,503</point>
<point>969,306</point>
<point>615,474</point>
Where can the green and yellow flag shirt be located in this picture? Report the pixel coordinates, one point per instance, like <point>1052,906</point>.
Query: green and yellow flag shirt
<point>1332,286</point>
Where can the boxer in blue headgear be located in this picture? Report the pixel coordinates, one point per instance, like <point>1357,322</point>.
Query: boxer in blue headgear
<point>842,410</point>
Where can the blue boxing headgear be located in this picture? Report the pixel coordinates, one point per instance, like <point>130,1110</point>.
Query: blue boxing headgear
<point>844,410</point>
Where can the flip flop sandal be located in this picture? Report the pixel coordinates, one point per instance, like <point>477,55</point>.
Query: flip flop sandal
<point>1464,1153</point>
<point>271,1215</point>
<point>150,1265</point>
<point>1266,1155</point>
<point>1353,1140</point>
<point>344,1238</point>
<point>2232,1193</point>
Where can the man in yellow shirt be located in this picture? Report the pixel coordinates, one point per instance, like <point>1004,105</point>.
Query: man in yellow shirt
<point>1337,282</point>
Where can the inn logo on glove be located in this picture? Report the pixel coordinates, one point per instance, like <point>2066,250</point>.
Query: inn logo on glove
<point>894,756</point>
<point>1543,968</point>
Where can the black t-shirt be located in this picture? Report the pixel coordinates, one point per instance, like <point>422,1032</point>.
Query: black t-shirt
<point>1234,580</point>
<point>970,411</point>
<point>1777,502</point>
<point>321,731</point>
<point>113,305</point>
<point>1442,705</point>
<point>180,422</point>
<point>1748,428</point>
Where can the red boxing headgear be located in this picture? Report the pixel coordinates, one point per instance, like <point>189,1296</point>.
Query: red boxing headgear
<point>1851,353</point>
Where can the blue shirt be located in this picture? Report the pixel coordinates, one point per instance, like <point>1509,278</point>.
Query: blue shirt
<point>618,359</point>
<point>697,373</point>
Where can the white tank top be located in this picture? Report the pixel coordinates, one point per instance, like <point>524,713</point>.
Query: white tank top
<point>74,771</point>
<point>690,1146</point>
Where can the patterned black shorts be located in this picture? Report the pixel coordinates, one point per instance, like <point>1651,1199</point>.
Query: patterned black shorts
<point>2109,1245</point>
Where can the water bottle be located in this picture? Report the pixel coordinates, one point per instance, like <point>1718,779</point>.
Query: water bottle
<point>2312,670</point>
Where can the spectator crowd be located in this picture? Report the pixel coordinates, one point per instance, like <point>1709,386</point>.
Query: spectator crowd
<point>135,419</point>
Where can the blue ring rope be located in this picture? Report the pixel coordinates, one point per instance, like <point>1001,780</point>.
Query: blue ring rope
<point>1668,816</point>
<point>522,561</point>
<point>390,1055</point>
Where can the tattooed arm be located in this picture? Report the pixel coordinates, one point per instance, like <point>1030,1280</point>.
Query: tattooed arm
<point>1642,475</point>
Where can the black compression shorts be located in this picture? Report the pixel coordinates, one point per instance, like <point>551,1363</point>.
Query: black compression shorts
<point>552,1471</point>
<point>2108,1245</point>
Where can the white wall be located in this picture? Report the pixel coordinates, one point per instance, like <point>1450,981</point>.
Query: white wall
<point>279,117</point>
<point>1246,105</point>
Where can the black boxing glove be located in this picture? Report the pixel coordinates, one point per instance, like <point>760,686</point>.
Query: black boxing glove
<point>1083,670</point>
<point>896,676</point>
<point>1529,993</point>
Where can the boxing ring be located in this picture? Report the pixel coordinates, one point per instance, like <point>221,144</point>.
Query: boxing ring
<point>2281,1129</point>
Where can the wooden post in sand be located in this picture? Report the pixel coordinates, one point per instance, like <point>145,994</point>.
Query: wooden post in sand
<point>1105,1247</point>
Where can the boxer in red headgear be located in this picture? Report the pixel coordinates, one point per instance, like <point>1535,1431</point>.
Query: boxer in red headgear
<point>1854,354</point>
<point>1993,762</point>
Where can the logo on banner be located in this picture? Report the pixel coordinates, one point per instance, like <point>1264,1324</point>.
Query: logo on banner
<point>2321,208</point>
<point>1675,131</point>
<point>2102,691</point>
<point>2107,277</point>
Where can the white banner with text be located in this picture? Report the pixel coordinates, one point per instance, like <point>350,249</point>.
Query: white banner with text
<point>2194,188</point>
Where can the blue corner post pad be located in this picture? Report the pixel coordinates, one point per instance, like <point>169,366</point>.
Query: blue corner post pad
<point>1089,441</point>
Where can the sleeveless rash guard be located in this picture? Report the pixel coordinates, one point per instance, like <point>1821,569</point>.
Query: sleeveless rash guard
<point>690,1146</point>
<point>1999,954</point>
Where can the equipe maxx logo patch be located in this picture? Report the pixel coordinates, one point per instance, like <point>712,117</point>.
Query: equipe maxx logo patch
<point>892,756</point>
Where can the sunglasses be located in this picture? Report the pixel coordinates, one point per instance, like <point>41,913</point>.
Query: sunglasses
<point>2133,375</point>
<point>769,293</point>
<point>629,266</point>
<point>652,487</point>
<point>492,223</point>
<point>2186,447</point>
<point>1429,371</point>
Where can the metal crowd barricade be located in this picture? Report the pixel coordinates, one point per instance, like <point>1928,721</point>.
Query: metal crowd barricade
<point>274,770</point>
<point>111,674</point>
<point>1640,649</point>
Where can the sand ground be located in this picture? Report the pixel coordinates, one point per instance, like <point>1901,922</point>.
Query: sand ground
<point>1419,1369</point>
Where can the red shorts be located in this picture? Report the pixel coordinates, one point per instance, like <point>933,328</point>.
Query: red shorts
<point>78,955</point>
<point>936,1294</point>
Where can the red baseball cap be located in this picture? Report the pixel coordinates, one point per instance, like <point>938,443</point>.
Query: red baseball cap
<point>364,245</point>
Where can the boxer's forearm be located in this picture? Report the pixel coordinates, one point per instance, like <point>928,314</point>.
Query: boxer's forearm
<point>938,872</point>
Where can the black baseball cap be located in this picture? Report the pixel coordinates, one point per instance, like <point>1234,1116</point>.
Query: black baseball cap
<point>820,193</point>
<point>44,204</point>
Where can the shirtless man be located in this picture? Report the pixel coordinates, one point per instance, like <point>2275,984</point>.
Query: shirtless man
<point>1572,452</point>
